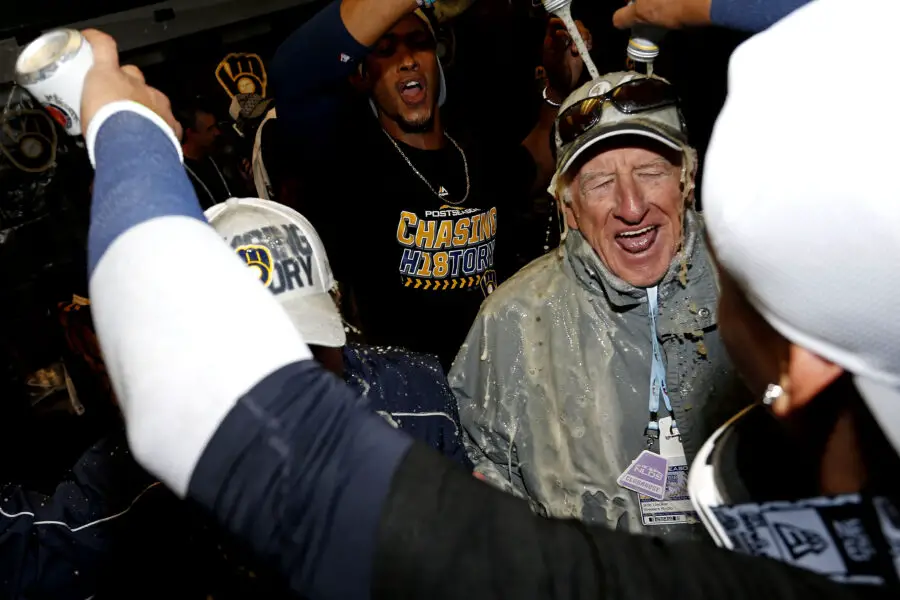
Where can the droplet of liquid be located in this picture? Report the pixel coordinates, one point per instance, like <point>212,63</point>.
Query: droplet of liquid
<point>565,13</point>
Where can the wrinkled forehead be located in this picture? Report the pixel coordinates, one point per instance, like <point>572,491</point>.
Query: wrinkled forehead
<point>630,150</point>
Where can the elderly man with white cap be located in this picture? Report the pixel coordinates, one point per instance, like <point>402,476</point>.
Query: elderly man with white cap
<point>609,347</point>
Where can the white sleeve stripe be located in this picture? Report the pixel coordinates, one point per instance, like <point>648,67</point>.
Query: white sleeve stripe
<point>78,528</point>
<point>108,110</point>
<point>165,296</point>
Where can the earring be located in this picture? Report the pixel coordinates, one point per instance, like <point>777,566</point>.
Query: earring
<point>773,393</point>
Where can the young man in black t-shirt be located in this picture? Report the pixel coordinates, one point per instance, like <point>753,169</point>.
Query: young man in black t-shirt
<point>410,216</point>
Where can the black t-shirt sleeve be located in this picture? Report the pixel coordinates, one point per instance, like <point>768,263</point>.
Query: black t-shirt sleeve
<point>444,534</point>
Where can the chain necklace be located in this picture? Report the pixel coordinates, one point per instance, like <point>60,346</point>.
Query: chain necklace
<point>445,196</point>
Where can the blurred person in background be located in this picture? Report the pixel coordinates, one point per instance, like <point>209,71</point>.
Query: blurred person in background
<point>554,378</point>
<point>280,452</point>
<point>413,230</point>
<point>200,139</point>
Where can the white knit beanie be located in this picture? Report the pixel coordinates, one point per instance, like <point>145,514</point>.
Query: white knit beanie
<point>802,188</point>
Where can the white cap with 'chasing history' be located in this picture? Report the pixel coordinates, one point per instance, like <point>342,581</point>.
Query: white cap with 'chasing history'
<point>284,251</point>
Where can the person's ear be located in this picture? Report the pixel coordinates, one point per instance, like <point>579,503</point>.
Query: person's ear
<point>361,81</point>
<point>566,192</point>
<point>803,377</point>
<point>689,168</point>
<point>570,216</point>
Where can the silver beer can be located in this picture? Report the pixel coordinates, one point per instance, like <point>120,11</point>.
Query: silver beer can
<point>53,68</point>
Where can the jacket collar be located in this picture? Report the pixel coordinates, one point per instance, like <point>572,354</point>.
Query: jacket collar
<point>689,268</point>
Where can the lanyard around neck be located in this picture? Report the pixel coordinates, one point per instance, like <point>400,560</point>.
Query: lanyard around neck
<point>657,372</point>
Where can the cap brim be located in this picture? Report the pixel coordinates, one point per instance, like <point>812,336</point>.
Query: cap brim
<point>576,149</point>
<point>317,319</point>
<point>883,401</point>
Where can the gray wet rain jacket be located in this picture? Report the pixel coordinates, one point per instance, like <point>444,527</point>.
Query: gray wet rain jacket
<point>553,380</point>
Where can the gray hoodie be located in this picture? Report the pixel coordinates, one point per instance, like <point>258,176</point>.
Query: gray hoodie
<point>554,378</point>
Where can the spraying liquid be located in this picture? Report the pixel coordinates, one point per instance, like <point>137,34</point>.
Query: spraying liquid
<point>563,11</point>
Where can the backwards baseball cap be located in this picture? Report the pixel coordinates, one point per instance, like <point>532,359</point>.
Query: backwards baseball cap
<point>622,103</point>
<point>285,251</point>
<point>800,193</point>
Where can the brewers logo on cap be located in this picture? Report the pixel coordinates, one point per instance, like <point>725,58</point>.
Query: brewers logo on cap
<point>258,258</point>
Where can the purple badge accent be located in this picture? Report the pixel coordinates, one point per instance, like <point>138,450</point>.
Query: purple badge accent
<point>646,475</point>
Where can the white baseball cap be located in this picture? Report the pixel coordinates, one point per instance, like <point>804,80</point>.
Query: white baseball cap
<point>287,254</point>
<point>800,190</point>
<point>664,124</point>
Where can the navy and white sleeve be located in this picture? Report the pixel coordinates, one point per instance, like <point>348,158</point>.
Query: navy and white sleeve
<point>752,15</point>
<point>221,397</point>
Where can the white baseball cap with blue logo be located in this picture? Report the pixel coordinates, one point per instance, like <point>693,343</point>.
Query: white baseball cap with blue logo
<point>282,249</point>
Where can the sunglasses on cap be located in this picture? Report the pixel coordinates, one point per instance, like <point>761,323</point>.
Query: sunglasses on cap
<point>415,41</point>
<point>631,97</point>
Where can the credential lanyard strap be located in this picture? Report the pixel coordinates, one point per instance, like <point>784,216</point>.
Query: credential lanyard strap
<point>657,372</point>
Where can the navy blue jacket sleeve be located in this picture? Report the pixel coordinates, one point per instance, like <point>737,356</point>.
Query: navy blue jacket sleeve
<point>752,15</point>
<point>412,390</point>
<point>310,72</point>
<point>54,546</point>
<point>300,471</point>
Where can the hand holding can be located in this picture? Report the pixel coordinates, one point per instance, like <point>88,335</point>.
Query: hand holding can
<point>75,74</point>
<point>108,82</point>
<point>53,68</point>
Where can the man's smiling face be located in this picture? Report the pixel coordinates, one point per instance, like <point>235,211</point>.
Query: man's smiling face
<point>627,202</point>
<point>403,71</point>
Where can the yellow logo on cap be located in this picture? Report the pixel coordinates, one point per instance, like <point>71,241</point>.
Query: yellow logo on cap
<point>240,73</point>
<point>258,258</point>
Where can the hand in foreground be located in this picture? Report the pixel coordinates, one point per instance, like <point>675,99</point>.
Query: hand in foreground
<point>671,14</point>
<point>107,82</point>
<point>562,62</point>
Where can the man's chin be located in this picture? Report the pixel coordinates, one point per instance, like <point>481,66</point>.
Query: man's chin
<point>644,269</point>
<point>641,273</point>
<point>416,124</point>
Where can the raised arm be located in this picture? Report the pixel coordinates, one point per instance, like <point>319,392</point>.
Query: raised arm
<point>745,15</point>
<point>221,397</point>
<point>311,68</point>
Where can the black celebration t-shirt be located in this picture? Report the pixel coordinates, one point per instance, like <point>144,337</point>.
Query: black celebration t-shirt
<point>419,254</point>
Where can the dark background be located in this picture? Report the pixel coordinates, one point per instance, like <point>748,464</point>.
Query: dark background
<point>43,218</point>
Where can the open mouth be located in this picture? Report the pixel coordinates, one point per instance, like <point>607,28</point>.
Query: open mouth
<point>412,91</point>
<point>638,240</point>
